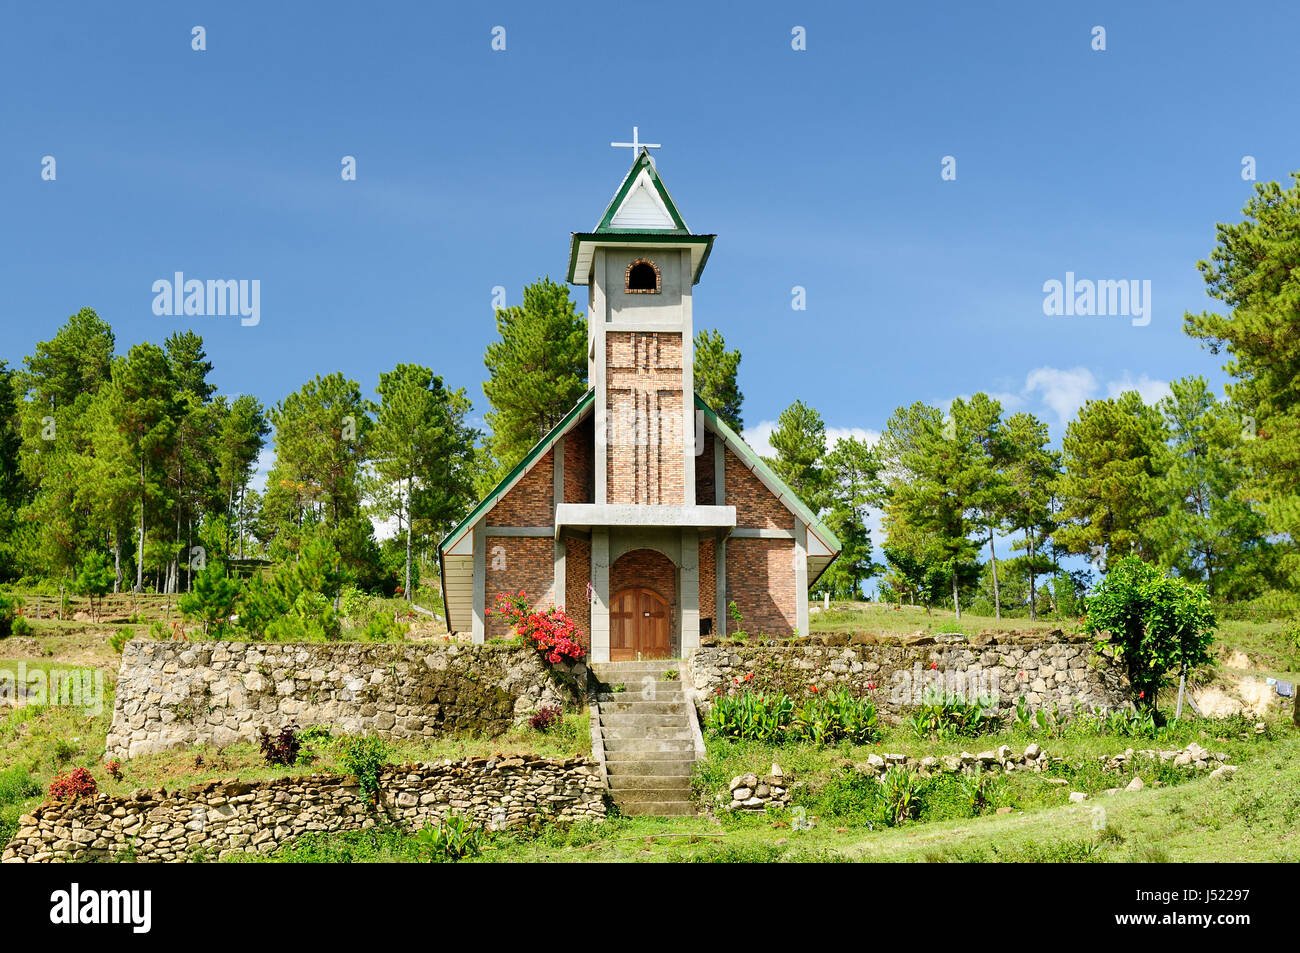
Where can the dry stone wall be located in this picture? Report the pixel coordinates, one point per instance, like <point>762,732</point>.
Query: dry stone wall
<point>218,819</point>
<point>172,695</point>
<point>899,671</point>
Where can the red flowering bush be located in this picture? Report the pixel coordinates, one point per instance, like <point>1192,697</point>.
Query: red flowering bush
<point>544,719</point>
<point>551,632</point>
<point>69,787</point>
<point>114,769</point>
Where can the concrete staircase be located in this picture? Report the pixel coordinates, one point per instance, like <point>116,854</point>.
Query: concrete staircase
<point>646,738</point>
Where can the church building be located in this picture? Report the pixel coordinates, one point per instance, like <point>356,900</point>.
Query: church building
<point>641,513</point>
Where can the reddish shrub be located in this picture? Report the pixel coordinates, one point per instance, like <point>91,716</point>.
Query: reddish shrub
<point>69,787</point>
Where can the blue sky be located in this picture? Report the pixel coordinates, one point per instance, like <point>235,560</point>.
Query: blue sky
<point>817,168</point>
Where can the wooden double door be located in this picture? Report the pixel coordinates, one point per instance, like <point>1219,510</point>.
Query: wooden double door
<point>640,626</point>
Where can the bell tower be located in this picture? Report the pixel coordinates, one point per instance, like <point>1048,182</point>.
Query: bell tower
<point>640,264</point>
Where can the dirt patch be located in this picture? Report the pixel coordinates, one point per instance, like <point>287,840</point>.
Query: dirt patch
<point>1233,695</point>
<point>1238,660</point>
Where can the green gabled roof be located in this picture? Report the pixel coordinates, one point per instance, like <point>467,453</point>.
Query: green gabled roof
<point>765,473</point>
<point>522,467</point>
<point>642,163</point>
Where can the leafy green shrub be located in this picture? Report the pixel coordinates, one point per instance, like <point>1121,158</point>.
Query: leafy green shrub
<point>8,612</point>
<point>850,795</point>
<point>17,785</point>
<point>823,719</point>
<point>213,598</point>
<point>21,627</point>
<point>944,715</point>
<point>117,641</point>
<point>901,791</point>
<point>1156,623</point>
<point>94,579</point>
<point>450,841</point>
<point>365,758</point>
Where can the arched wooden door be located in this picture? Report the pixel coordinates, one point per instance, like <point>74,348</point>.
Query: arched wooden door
<point>639,626</point>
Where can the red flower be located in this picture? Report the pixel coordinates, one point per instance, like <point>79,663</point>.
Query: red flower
<point>934,665</point>
<point>1142,694</point>
<point>813,689</point>
<point>871,686</point>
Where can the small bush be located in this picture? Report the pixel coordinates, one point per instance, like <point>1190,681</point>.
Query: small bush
<point>117,641</point>
<point>114,769</point>
<point>450,841</point>
<point>16,785</point>
<point>282,747</point>
<point>365,759</point>
<point>945,715</point>
<point>21,627</point>
<point>70,787</point>
<point>544,719</point>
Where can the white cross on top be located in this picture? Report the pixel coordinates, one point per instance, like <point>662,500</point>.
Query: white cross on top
<point>636,145</point>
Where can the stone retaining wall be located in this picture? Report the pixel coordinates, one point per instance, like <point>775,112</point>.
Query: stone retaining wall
<point>1053,669</point>
<point>219,818</point>
<point>176,694</point>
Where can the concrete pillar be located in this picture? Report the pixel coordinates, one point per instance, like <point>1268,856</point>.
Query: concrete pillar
<point>689,597</point>
<point>596,318</point>
<point>801,575</point>
<point>479,629</point>
<point>600,587</point>
<point>720,587</point>
<point>559,592</point>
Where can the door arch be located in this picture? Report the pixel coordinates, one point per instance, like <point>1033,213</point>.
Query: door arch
<point>639,625</point>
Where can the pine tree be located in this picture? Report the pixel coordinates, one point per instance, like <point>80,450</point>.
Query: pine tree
<point>1030,473</point>
<point>853,469</point>
<point>1109,487</point>
<point>536,372</point>
<point>1254,269</point>
<point>800,444</point>
<point>715,371</point>
<point>423,453</point>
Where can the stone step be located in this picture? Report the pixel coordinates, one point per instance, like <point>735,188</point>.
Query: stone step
<point>659,809</point>
<point>634,720</point>
<point>670,732</point>
<point>681,792</point>
<point>637,665</point>
<point>615,748</point>
<point>620,783</point>
<point>630,765</point>
<point>618,705</point>
<point>644,689</point>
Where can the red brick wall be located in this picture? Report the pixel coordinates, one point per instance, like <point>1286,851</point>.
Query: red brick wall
<point>645,417</point>
<point>760,580</point>
<point>521,562</point>
<point>577,573</point>
<point>755,505</point>
<point>646,569</point>
<point>708,582</point>
<point>530,502</point>
<point>704,475</point>
<point>579,476</point>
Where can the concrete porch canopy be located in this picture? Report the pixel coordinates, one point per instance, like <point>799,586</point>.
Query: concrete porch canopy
<point>586,516</point>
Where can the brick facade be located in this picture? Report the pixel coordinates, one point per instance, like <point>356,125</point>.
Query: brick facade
<point>704,474</point>
<point>645,417</point>
<point>531,501</point>
<point>760,580</point>
<point>708,583</point>
<point>755,505</point>
<point>514,563</point>
<point>579,474</point>
<point>577,574</point>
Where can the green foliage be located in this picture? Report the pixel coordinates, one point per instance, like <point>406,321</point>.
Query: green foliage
<point>537,371</point>
<point>716,370</point>
<point>799,441</point>
<point>8,613</point>
<point>1156,623</point>
<point>117,641</point>
<point>1254,269</point>
<point>902,794</point>
<point>950,715</point>
<point>365,758</point>
<point>213,597</point>
<point>94,577</point>
<point>454,839</point>
<point>824,719</point>
<point>296,603</point>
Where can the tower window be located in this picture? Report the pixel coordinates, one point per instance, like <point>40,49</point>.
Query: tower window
<point>643,278</point>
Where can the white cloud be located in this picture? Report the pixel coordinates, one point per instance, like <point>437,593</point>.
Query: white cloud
<point>1150,389</point>
<point>1064,391</point>
<point>758,436</point>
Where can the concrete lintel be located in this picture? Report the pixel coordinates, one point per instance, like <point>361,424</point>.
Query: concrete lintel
<point>587,515</point>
